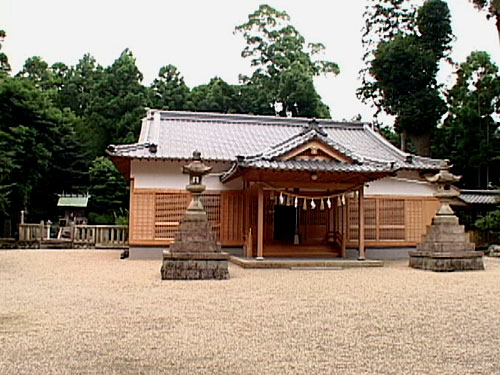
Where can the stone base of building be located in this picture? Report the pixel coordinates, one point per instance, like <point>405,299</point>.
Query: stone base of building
<point>194,266</point>
<point>447,261</point>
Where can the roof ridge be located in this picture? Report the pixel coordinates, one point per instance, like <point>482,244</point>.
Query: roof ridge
<point>249,119</point>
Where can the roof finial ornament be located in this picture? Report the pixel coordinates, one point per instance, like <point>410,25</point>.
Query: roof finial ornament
<point>314,125</point>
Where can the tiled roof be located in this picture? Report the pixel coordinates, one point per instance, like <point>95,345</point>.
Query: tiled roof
<point>317,165</point>
<point>480,196</point>
<point>175,135</point>
<point>73,201</point>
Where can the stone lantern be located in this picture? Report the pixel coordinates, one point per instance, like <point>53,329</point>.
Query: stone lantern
<point>195,253</point>
<point>196,170</point>
<point>446,246</point>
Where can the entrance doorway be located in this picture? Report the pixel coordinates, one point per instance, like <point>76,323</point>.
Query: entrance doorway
<point>285,220</point>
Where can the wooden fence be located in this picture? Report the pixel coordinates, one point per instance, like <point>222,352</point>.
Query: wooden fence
<point>81,236</point>
<point>100,236</point>
<point>31,232</point>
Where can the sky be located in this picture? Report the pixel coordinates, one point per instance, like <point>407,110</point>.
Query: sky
<point>197,37</point>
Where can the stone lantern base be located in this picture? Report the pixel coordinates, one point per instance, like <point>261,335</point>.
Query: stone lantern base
<point>194,266</point>
<point>195,253</point>
<point>446,247</point>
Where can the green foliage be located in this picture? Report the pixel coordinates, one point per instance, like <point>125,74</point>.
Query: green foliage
<point>216,96</point>
<point>284,64</point>
<point>469,135</point>
<point>489,222</point>
<point>116,104</point>
<point>78,84</point>
<point>493,8</point>
<point>4,61</point>
<point>108,191</point>
<point>169,91</point>
<point>404,70</point>
<point>31,130</point>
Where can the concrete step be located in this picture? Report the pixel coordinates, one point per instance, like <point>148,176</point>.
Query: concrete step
<point>56,244</point>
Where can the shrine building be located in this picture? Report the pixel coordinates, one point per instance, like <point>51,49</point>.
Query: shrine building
<point>291,187</point>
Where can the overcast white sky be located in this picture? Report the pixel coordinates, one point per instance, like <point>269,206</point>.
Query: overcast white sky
<point>197,37</point>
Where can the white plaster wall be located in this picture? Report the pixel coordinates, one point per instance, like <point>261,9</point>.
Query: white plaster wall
<point>407,183</point>
<point>152,174</point>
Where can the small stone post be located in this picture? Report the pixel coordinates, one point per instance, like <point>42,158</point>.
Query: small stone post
<point>446,246</point>
<point>195,253</point>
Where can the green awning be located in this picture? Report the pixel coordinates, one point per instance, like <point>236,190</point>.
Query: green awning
<point>73,201</point>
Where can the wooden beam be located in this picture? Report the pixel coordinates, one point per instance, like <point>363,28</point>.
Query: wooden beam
<point>260,223</point>
<point>344,229</point>
<point>361,224</point>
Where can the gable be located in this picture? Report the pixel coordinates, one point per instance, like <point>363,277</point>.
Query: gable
<point>316,150</point>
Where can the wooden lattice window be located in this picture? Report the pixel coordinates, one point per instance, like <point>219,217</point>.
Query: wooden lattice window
<point>142,219</point>
<point>155,215</point>
<point>391,219</point>
<point>170,208</point>
<point>370,219</point>
<point>414,220</point>
<point>211,203</point>
<point>384,219</point>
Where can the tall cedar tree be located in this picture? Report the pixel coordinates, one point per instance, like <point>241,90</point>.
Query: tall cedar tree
<point>469,135</point>
<point>404,70</point>
<point>284,65</point>
<point>493,9</point>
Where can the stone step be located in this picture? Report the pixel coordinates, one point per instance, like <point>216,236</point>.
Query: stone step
<point>56,244</point>
<point>446,228</point>
<point>194,246</point>
<point>433,236</point>
<point>446,246</point>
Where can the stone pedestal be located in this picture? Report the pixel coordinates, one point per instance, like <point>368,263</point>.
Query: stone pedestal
<point>195,254</point>
<point>194,266</point>
<point>446,247</point>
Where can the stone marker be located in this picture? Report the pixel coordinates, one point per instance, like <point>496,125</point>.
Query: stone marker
<point>195,253</point>
<point>446,246</point>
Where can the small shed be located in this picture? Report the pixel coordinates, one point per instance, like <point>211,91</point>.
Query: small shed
<point>470,205</point>
<point>74,206</point>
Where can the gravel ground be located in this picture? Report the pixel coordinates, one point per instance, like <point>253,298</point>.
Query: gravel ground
<point>88,312</point>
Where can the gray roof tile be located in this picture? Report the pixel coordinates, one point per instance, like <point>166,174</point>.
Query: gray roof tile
<point>224,137</point>
<point>480,196</point>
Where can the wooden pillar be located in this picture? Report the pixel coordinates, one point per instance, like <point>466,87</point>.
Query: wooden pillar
<point>247,228</point>
<point>361,224</point>
<point>344,229</point>
<point>260,223</point>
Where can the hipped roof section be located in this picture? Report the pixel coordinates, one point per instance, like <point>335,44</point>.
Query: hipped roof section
<point>260,140</point>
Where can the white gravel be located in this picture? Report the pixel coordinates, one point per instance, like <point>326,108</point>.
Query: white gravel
<point>88,312</point>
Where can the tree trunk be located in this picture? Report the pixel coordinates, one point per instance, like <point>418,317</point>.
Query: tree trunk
<point>422,143</point>
<point>404,141</point>
<point>498,25</point>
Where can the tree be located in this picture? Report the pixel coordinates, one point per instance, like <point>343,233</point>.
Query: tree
<point>37,71</point>
<point>108,190</point>
<point>32,134</point>
<point>216,96</point>
<point>469,135</point>
<point>284,64</point>
<point>79,82</point>
<point>404,71</point>
<point>4,61</point>
<point>493,8</point>
<point>116,105</point>
<point>169,91</point>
